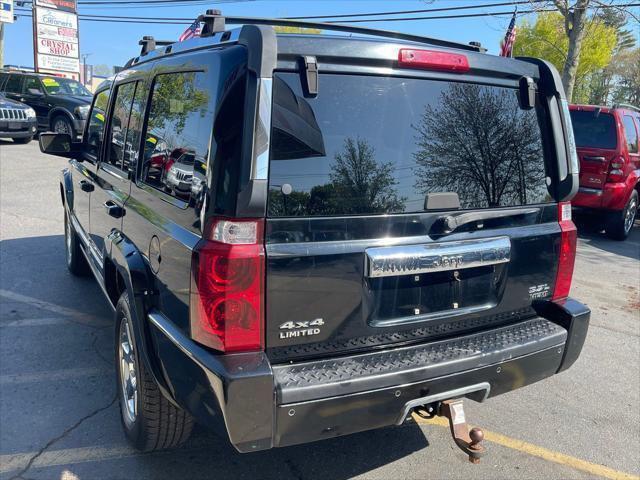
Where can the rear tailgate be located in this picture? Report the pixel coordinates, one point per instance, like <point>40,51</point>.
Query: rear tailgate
<point>362,252</point>
<point>596,140</point>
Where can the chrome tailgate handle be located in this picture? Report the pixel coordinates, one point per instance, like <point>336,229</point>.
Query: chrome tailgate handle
<point>436,257</point>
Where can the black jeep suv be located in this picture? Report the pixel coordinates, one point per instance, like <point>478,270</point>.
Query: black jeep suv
<point>374,225</point>
<point>61,104</point>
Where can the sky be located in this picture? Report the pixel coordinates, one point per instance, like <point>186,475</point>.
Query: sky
<point>115,43</point>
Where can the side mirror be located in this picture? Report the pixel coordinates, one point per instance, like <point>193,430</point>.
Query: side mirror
<point>36,93</point>
<point>60,144</point>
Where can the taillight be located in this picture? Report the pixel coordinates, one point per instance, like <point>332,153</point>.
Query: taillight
<point>616,174</point>
<point>433,60</point>
<point>227,279</point>
<point>568,243</point>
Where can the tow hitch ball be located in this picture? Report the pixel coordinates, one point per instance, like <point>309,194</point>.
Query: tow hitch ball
<point>468,441</point>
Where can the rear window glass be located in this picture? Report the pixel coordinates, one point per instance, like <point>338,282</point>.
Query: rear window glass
<point>594,130</point>
<point>376,145</point>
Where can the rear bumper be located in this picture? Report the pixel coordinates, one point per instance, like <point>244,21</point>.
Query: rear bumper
<point>263,406</point>
<point>613,196</point>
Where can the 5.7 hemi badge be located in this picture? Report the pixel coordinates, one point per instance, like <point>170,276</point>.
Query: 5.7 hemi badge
<point>300,329</point>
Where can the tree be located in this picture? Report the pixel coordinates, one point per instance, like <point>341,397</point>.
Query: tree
<point>627,89</point>
<point>175,98</point>
<point>576,26</point>
<point>547,39</point>
<point>359,185</point>
<point>477,141</point>
<point>102,70</point>
<point>363,185</point>
<point>605,84</point>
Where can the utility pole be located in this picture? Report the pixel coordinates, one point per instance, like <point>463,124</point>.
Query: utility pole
<point>1,44</point>
<point>84,67</point>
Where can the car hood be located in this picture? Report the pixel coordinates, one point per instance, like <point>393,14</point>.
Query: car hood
<point>6,103</point>
<point>70,100</point>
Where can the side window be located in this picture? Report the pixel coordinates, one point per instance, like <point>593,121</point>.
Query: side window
<point>3,78</point>
<point>32,86</point>
<point>179,129</point>
<point>14,84</point>
<point>631,134</point>
<point>134,129</point>
<point>118,126</point>
<point>95,130</point>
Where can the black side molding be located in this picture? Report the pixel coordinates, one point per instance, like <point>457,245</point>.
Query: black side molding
<point>574,317</point>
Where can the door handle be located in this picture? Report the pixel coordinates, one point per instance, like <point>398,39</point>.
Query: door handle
<point>86,186</point>
<point>114,210</point>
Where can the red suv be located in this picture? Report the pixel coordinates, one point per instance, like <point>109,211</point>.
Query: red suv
<point>607,144</point>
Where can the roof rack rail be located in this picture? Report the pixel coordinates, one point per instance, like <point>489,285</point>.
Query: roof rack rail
<point>628,106</point>
<point>149,44</point>
<point>474,46</point>
<point>215,22</point>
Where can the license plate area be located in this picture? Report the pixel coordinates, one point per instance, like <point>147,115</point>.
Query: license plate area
<point>415,283</point>
<point>407,299</point>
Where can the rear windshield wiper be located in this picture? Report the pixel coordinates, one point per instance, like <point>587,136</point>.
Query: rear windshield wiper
<point>449,223</point>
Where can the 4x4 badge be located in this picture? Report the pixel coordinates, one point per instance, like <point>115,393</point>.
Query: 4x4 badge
<point>301,329</point>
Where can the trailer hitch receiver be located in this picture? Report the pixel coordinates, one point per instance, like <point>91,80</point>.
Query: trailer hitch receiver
<point>468,441</point>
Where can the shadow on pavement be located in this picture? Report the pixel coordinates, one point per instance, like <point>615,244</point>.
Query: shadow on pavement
<point>592,235</point>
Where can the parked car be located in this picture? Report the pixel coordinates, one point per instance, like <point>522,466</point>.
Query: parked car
<point>368,242</point>
<point>61,104</point>
<point>607,144</point>
<point>17,120</point>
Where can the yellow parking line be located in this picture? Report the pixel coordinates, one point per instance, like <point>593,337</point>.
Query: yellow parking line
<point>540,452</point>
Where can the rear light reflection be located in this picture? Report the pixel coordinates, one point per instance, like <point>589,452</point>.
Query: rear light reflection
<point>433,60</point>
<point>568,243</point>
<point>226,307</point>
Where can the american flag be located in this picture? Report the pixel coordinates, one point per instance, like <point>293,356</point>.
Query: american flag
<point>191,32</point>
<point>506,49</point>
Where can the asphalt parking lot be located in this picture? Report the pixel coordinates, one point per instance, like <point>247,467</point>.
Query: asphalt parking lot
<point>59,419</point>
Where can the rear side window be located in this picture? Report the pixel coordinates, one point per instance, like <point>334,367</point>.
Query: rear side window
<point>14,84</point>
<point>630,133</point>
<point>32,85</point>
<point>594,129</point>
<point>178,135</point>
<point>95,130</point>
<point>376,145</point>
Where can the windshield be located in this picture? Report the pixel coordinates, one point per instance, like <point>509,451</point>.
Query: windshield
<point>594,129</point>
<point>379,145</point>
<point>64,86</point>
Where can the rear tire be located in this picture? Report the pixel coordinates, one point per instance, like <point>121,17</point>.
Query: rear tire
<point>620,224</point>
<point>76,261</point>
<point>22,141</point>
<point>149,420</point>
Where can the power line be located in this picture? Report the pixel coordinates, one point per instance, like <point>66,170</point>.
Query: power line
<point>424,10</point>
<point>182,20</point>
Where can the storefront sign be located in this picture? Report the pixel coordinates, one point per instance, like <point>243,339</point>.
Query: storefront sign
<point>58,33</point>
<point>56,40</point>
<point>63,5</point>
<point>6,11</point>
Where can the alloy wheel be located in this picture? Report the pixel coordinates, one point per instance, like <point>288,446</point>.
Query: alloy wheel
<point>128,373</point>
<point>68,240</point>
<point>61,126</point>
<point>630,215</point>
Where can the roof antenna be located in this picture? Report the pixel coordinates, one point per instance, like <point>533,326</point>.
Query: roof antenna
<point>213,23</point>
